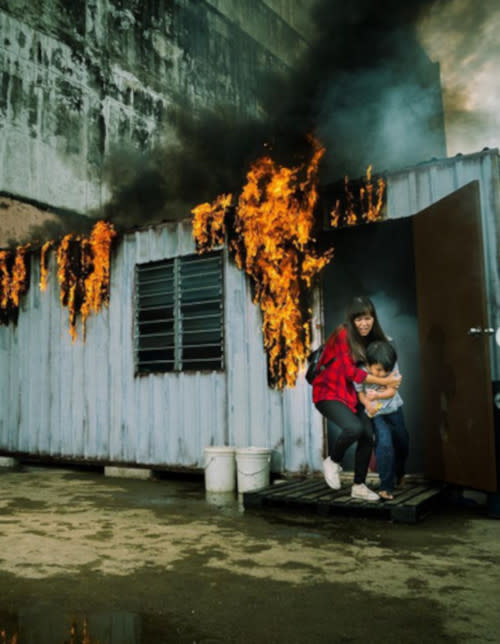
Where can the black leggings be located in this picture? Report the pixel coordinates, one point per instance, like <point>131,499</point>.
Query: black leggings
<point>354,427</point>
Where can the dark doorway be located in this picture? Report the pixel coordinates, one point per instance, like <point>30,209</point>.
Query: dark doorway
<point>425,275</point>
<point>377,260</point>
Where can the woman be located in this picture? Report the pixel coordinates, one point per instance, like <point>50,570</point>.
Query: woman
<point>335,397</point>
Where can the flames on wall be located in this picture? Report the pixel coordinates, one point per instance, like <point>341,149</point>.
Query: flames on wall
<point>271,233</point>
<point>82,270</point>
<point>78,634</point>
<point>271,230</point>
<point>83,273</point>
<point>14,281</point>
<point>366,206</point>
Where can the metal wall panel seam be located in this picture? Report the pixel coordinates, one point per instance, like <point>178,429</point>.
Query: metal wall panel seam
<point>257,396</point>
<point>129,303</point>
<point>46,339</point>
<point>224,382</point>
<point>4,385</point>
<point>12,420</point>
<point>141,384</point>
<point>57,321</point>
<point>89,393</point>
<point>123,364</point>
<point>248,336</point>
<point>230,295</point>
<point>236,361</point>
<point>22,400</point>
<point>31,306</point>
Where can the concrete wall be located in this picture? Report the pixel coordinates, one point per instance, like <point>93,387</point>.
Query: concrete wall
<point>77,77</point>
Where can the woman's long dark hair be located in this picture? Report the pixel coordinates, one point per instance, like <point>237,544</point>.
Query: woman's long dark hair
<point>358,306</point>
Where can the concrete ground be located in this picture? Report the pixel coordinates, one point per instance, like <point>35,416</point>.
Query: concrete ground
<point>85,558</point>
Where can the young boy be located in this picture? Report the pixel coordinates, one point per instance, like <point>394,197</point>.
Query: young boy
<point>384,406</point>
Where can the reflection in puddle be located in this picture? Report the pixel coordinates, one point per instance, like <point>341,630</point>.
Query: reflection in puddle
<point>5,638</point>
<point>220,498</point>
<point>36,626</point>
<point>226,501</point>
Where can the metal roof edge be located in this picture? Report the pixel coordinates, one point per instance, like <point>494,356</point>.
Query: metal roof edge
<point>156,224</point>
<point>443,161</point>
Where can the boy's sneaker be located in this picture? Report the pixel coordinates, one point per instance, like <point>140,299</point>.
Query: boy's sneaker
<point>332,471</point>
<point>360,491</point>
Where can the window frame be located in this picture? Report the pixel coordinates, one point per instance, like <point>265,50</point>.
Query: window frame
<point>180,364</point>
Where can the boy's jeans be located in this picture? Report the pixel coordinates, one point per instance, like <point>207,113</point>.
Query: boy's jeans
<point>391,447</point>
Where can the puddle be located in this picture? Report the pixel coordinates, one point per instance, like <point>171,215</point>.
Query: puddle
<point>42,625</point>
<point>51,627</point>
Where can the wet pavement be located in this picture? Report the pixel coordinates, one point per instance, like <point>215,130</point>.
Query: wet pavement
<point>84,558</point>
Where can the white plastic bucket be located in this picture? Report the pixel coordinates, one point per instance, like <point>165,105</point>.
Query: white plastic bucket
<point>219,469</point>
<point>253,466</point>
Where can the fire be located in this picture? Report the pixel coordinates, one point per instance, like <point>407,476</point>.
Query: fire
<point>5,639</point>
<point>97,282</point>
<point>19,281</point>
<point>75,636</point>
<point>14,281</point>
<point>272,240</point>
<point>84,637</point>
<point>44,268</point>
<point>209,222</point>
<point>371,202</point>
<point>83,273</point>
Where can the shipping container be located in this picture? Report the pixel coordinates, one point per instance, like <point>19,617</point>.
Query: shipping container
<point>138,393</point>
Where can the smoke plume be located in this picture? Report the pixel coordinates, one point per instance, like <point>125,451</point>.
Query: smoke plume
<point>463,36</point>
<point>365,88</point>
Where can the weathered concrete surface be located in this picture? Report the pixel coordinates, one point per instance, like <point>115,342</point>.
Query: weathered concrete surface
<point>78,78</point>
<point>168,566</point>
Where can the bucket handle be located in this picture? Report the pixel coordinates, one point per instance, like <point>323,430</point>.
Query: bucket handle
<point>212,459</point>
<point>205,467</point>
<point>257,472</point>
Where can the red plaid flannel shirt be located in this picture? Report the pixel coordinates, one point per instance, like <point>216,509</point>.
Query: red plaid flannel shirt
<point>336,381</point>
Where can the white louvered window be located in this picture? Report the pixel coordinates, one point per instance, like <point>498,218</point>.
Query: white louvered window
<point>180,314</point>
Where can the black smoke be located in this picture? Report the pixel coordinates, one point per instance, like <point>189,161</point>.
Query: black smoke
<point>364,87</point>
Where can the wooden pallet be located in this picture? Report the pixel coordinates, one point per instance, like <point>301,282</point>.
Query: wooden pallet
<point>409,505</point>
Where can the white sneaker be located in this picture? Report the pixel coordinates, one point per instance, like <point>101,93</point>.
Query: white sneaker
<point>332,471</point>
<point>362,492</point>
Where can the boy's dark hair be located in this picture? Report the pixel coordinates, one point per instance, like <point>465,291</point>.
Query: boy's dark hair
<point>382,353</point>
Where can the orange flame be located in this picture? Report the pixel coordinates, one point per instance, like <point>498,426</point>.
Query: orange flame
<point>19,282</point>
<point>273,242</point>
<point>83,273</point>
<point>13,281</point>
<point>4,279</point>
<point>97,282</point>
<point>5,639</point>
<point>75,637</point>
<point>371,210</point>
<point>208,223</point>
<point>84,638</point>
<point>44,268</point>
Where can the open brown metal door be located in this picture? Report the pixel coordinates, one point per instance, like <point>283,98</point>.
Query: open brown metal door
<point>458,426</point>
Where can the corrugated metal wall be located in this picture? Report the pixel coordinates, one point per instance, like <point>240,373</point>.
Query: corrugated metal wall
<point>82,400</point>
<point>413,189</point>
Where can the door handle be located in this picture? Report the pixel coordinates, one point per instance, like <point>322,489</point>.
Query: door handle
<point>477,330</point>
